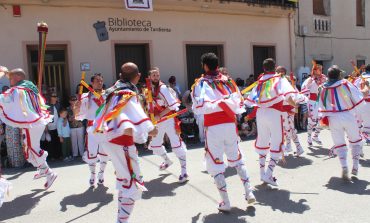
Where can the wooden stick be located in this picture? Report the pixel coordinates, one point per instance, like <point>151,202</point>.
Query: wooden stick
<point>80,90</point>
<point>171,116</point>
<point>42,29</point>
<point>150,100</point>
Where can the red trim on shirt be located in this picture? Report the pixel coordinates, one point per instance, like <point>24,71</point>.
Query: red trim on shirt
<point>134,123</point>
<point>335,111</point>
<point>24,122</point>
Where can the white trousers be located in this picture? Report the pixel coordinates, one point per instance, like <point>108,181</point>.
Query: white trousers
<point>365,117</point>
<point>222,139</point>
<point>270,132</point>
<point>94,151</point>
<point>344,123</point>
<point>31,141</point>
<point>77,138</point>
<point>178,146</point>
<point>200,122</point>
<point>120,155</point>
<point>289,130</point>
<point>313,125</point>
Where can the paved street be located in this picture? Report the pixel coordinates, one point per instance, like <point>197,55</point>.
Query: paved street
<point>311,190</point>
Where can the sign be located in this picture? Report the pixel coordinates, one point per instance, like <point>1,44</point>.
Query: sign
<point>101,31</point>
<point>139,5</point>
<point>134,25</point>
<point>85,66</point>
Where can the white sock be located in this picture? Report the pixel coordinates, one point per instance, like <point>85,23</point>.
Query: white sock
<point>183,165</point>
<point>270,169</point>
<point>244,177</point>
<point>262,159</point>
<point>125,209</point>
<point>221,186</point>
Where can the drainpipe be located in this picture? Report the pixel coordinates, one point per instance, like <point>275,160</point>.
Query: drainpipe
<point>291,41</point>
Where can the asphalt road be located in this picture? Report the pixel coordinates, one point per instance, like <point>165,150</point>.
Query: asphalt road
<point>310,190</point>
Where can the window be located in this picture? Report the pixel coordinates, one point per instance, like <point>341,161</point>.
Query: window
<point>360,12</point>
<point>321,7</point>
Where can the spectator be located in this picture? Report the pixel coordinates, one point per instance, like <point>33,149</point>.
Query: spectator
<point>224,71</point>
<point>174,86</point>
<point>53,147</point>
<point>14,146</point>
<point>13,143</point>
<point>250,80</point>
<point>240,83</point>
<point>64,134</point>
<point>77,130</point>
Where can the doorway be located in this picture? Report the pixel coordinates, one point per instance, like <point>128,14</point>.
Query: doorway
<point>260,53</point>
<point>136,53</point>
<point>193,54</point>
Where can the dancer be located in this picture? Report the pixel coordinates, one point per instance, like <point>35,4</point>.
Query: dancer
<point>311,87</point>
<point>218,98</point>
<point>119,124</point>
<point>290,131</point>
<point>86,109</point>
<point>22,106</point>
<point>362,83</point>
<point>269,96</point>
<point>336,102</point>
<point>166,103</point>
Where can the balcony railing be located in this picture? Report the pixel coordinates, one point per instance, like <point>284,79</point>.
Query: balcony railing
<point>265,3</point>
<point>322,24</point>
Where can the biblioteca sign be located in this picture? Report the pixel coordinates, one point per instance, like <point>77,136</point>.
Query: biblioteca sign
<point>133,25</point>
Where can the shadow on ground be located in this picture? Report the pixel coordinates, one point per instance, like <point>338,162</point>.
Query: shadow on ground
<point>97,195</point>
<point>236,215</point>
<point>293,162</point>
<point>157,188</point>
<point>279,200</point>
<point>317,151</point>
<point>365,163</point>
<point>355,186</point>
<point>22,205</point>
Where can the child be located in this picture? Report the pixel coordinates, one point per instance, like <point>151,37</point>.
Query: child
<point>64,133</point>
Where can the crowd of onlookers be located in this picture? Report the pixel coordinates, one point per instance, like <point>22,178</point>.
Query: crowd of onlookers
<point>64,137</point>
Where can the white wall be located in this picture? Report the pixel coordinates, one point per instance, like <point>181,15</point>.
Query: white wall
<point>73,25</point>
<point>346,40</point>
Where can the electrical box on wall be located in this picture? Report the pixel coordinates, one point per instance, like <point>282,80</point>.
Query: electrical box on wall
<point>303,30</point>
<point>17,11</point>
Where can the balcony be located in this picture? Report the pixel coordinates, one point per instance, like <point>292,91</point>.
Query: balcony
<point>322,24</point>
<point>265,3</point>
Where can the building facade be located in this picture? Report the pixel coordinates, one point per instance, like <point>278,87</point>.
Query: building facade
<point>332,32</point>
<point>98,36</point>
